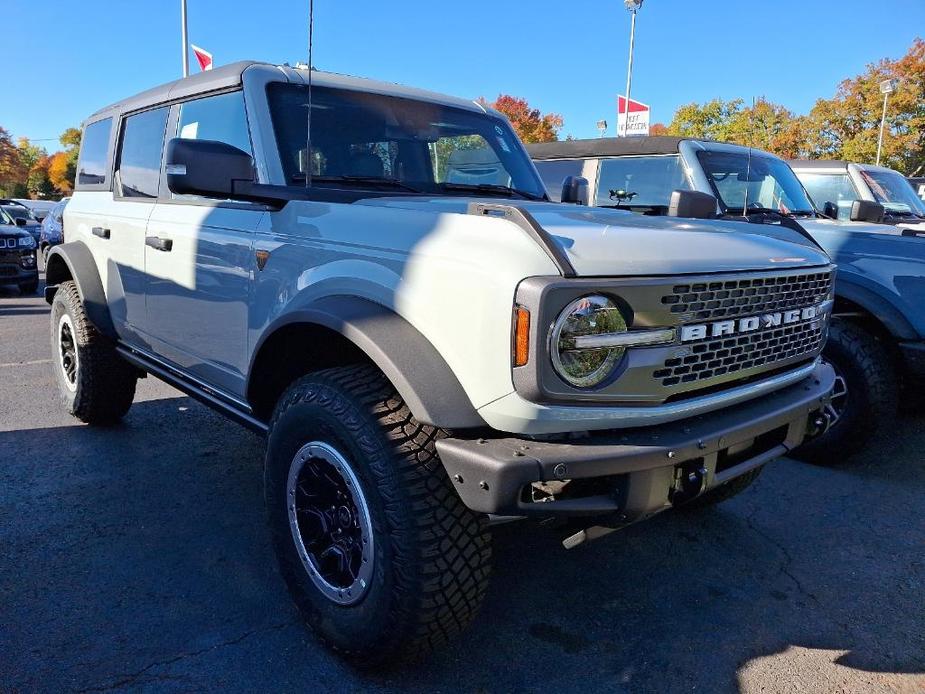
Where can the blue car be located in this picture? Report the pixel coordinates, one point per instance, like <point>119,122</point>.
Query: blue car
<point>23,216</point>
<point>53,227</point>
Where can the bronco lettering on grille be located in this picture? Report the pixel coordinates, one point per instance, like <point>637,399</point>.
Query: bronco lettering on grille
<point>751,323</point>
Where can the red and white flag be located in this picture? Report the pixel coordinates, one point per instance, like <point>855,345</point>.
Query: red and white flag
<point>204,57</point>
<point>633,120</point>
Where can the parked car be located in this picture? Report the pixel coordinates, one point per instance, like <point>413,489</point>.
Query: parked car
<point>839,183</point>
<point>918,184</point>
<point>40,208</point>
<point>53,227</point>
<point>878,336</point>
<point>423,354</point>
<point>23,217</point>
<point>17,256</point>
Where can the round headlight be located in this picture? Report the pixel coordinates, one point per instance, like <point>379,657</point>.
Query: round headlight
<point>580,364</point>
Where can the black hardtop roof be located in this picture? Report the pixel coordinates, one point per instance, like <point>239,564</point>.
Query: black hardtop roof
<point>606,147</point>
<point>224,77</point>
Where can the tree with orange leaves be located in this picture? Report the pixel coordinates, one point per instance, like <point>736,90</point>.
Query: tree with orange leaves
<point>529,123</point>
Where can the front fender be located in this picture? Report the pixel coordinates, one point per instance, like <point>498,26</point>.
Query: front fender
<point>74,261</point>
<point>407,358</point>
<point>878,302</point>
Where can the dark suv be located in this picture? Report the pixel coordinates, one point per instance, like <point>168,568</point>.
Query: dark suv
<point>17,256</point>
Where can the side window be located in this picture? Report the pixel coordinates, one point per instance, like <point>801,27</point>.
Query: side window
<point>220,118</point>
<point>94,148</point>
<point>140,151</point>
<point>651,178</point>
<point>553,172</point>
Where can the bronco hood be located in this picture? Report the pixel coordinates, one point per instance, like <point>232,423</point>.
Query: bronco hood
<point>603,242</point>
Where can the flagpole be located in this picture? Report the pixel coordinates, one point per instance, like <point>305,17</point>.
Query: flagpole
<point>184,38</point>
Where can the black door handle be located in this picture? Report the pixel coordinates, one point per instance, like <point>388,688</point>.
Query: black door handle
<point>159,244</point>
<point>101,232</point>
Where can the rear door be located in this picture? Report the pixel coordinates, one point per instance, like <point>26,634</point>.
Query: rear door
<point>199,259</point>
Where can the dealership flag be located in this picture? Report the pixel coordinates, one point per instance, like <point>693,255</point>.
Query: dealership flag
<point>204,57</point>
<point>637,122</point>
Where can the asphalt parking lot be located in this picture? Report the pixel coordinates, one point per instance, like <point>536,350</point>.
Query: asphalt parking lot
<point>136,558</point>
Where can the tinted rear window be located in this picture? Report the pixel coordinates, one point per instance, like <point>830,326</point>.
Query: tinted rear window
<point>648,180</point>
<point>94,148</point>
<point>140,153</point>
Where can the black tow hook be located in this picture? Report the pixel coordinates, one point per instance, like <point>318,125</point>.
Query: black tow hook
<point>690,480</point>
<point>819,422</point>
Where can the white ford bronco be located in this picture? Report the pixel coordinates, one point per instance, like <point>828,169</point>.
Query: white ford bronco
<point>427,342</point>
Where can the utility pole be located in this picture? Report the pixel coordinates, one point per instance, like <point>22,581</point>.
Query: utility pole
<point>633,6</point>
<point>184,38</point>
<point>887,87</point>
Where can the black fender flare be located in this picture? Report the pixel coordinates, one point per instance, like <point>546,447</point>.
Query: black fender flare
<point>880,308</point>
<point>407,358</point>
<point>75,261</point>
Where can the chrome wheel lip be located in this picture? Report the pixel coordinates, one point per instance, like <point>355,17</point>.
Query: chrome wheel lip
<point>68,359</point>
<point>342,595</point>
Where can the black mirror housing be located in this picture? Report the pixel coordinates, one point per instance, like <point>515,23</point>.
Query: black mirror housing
<point>830,209</point>
<point>575,190</point>
<point>208,167</point>
<point>866,211</point>
<point>691,203</point>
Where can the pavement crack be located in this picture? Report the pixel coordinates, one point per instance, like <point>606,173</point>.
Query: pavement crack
<point>785,565</point>
<point>133,678</point>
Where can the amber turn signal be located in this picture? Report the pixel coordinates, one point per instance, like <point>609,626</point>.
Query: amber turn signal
<point>521,336</point>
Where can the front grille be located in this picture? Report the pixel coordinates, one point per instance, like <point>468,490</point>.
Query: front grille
<point>744,297</point>
<point>714,357</point>
<point>8,271</point>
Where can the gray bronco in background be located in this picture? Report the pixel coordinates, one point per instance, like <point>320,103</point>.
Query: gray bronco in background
<point>426,341</point>
<point>877,340</point>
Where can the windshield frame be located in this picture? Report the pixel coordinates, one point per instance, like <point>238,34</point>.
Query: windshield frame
<point>761,156</point>
<point>514,162</point>
<point>5,218</point>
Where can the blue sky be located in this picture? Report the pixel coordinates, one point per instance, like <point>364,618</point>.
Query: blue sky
<point>66,59</point>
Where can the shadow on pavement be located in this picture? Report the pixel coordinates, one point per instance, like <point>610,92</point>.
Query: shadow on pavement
<point>138,557</point>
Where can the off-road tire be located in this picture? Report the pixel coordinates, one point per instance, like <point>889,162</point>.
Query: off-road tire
<point>29,288</point>
<point>872,401</point>
<point>717,495</point>
<point>432,554</point>
<point>104,385</point>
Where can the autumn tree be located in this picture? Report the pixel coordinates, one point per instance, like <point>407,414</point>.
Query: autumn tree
<point>529,123</point>
<point>12,172</point>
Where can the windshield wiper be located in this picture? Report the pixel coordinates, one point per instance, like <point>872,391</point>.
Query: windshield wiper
<point>362,180</point>
<point>490,188</point>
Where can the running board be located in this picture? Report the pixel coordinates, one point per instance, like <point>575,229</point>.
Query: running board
<point>198,392</point>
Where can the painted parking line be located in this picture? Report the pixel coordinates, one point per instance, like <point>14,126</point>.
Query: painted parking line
<point>26,363</point>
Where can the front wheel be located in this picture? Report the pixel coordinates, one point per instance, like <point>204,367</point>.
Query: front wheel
<point>864,398</point>
<point>380,555</point>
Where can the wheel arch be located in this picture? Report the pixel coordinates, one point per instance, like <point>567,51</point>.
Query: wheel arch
<point>873,310</point>
<point>342,330</point>
<point>74,261</point>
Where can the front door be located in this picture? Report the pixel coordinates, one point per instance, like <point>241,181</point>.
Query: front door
<point>199,260</point>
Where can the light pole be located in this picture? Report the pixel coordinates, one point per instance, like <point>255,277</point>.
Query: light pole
<point>633,7</point>
<point>184,38</point>
<point>887,87</point>
<point>602,127</point>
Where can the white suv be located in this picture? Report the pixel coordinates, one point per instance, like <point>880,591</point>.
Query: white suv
<point>427,342</point>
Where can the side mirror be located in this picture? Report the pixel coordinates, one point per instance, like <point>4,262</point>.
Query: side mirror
<point>575,190</point>
<point>830,209</point>
<point>21,222</point>
<point>691,203</point>
<point>207,167</point>
<point>866,211</point>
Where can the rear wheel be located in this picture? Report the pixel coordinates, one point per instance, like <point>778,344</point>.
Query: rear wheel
<point>382,558</point>
<point>864,398</point>
<point>96,384</point>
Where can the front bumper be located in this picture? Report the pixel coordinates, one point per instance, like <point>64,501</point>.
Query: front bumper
<point>15,274</point>
<point>633,473</point>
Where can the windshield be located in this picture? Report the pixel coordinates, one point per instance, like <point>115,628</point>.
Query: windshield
<point>19,212</point>
<point>757,181</point>
<point>836,188</point>
<point>365,140</point>
<point>894,192</point>
<point>645,181</point>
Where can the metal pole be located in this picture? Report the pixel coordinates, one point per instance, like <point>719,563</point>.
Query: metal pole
<point>882,122</point>
<point>629,72</point>
<point>184,38</point>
